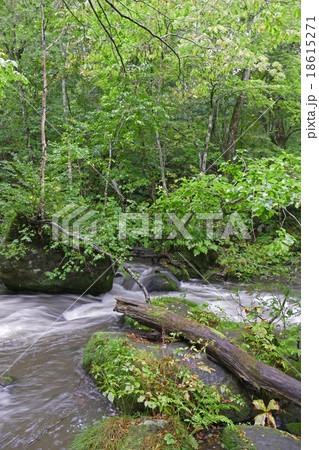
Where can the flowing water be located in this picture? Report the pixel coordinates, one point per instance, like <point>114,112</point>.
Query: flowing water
<point>41,346</point>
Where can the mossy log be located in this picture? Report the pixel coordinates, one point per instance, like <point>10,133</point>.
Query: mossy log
<point>257,374</point>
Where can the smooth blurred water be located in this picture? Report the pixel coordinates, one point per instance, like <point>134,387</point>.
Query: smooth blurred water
<point>41,346</point>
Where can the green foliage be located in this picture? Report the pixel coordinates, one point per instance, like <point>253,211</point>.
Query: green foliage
<point>255,197</point>
<point>234,438</point>
<point>276,348</point>
<point>116,433</point>
<point>139,381</point>
<point>8,73</point>
<point>136,115</point>
<point>294,428</point>
<point>272,336</point>
<point>245,260</point>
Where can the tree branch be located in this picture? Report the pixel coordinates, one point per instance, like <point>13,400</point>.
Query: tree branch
<point>98,250</point>
<point>107,31</point>
<point>139,24</point>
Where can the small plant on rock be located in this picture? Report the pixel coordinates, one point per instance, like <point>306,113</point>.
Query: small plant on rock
<point>266,418</point>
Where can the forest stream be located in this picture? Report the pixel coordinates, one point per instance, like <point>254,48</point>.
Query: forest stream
<point>41,345</point>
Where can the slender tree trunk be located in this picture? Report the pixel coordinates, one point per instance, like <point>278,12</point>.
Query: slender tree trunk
<point>107,178</point>
<point>158,141</point>
<point>43,118</point>
<point>111,145</point>
<point>24,115</point>
<point>235,120</point>
<point>279,136</point>
<point>162,168</point>
<point>196,143</point>
<point>147,170</point>
<point>65,113</point>
<point>209,132</point>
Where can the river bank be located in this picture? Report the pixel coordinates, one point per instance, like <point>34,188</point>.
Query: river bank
<point>52,398</point>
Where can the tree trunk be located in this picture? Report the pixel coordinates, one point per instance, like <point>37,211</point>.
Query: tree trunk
<point>279,136</point>
<point>107,178</point>
<point>65,113</point>
<point>209,133</point>
<point>65,108</point>
<point>24,115</point>
<point>43,117</point>
<point>196,143</point>
<point>235,120</point>
<point>161,157</point>
<point>159,145</point>
<point>255,373</point>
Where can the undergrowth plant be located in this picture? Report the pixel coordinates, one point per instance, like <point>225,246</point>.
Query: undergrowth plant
<point>266,418</point>
<point>138,381</point>
<point>271,336</point>
<point>118,433</point>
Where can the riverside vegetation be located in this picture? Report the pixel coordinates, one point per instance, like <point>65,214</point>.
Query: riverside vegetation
<point>159,110</point>
<point>147,381</point>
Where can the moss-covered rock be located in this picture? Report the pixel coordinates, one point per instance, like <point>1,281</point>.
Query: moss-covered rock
<point>289,413</point>
<point>28,269</point>
<point>160,282</point>
<point>6,380</point>
<point>258,438</point>
<point>233,438</point>
<point>145,433</point>
<point>209,372</point>
<point>179,271</point>
<point>294,428</point>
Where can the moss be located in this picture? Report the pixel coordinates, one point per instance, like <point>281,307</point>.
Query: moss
<point>122,433</point>
<point>163,301</point>
<point>180,273</point>
<point>4,381</point>
<point>294,428</point>
<point>29,256</point>
<point>234,438</point>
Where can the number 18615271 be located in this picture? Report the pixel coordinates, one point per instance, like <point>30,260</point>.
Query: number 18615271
<point>310,47</point>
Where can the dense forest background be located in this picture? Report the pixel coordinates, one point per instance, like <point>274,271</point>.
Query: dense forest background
<point>157,107</point>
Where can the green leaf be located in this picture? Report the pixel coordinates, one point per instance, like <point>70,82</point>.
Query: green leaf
<point>169,439</point>
<point>110,397</point>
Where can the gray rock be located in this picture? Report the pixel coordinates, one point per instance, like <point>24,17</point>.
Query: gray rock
<point>258,438</point>
<point>161,282</point>
<point>211,374</point>
<point>154,424</point>
<point>29,271</point>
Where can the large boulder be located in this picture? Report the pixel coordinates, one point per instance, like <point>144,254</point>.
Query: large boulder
<point>29,269</point>
<point>207,370</point>
<point>160,282</point>
<point>258,438</point>
<point>211,374</point>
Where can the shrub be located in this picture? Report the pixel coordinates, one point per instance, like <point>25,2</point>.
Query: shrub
<point>137,381</point>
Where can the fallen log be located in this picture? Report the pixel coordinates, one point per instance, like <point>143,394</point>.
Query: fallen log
<point>257,374</point>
